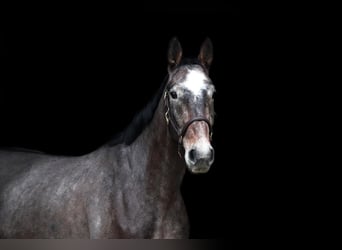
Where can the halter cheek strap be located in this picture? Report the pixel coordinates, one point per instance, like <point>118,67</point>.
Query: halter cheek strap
<point>180,132</point>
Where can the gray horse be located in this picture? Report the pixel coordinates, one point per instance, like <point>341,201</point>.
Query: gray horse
<point>130,186</point>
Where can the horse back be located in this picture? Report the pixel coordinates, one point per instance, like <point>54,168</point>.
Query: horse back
<point>46,196</point>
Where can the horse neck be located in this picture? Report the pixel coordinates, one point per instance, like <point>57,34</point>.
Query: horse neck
<point>158,153</point>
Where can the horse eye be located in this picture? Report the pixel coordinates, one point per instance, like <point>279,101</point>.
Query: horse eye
<point>173,94</point>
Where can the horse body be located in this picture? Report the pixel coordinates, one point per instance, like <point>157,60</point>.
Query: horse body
<point>126,190</point>
<point>111,192</point>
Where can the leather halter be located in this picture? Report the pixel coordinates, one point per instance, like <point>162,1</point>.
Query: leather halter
<point>179,132</point>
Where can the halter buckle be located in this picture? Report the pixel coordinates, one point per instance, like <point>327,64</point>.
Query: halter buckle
<point>167,109</point>
<point>167,116</point>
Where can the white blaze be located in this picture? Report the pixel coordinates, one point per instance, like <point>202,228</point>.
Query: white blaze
<point>195,81</point>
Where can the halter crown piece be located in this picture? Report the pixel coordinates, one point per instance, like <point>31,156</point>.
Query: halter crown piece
<point>179,132</point>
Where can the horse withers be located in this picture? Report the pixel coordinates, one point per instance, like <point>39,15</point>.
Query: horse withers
<point>130,186</point>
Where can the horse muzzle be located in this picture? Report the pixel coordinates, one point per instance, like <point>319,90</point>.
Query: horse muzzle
<point>199,159</point>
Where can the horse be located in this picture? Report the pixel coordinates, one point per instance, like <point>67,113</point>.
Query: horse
<point>130,186</point>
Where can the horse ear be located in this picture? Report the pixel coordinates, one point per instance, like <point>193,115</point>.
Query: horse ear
<point>206,53</point>
<point>174,53</point>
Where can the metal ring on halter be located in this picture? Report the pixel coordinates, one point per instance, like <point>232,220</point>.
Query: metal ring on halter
<point>167,108</point>
<point>167,116</point>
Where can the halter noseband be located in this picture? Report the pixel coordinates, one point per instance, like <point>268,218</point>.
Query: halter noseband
<point>177,131</point>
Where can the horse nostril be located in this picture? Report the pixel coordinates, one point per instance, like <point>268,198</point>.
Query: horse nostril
<point>212,153</point>
<point>192,155</point>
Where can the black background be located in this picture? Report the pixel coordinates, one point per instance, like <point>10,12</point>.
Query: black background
<point>75,77</point>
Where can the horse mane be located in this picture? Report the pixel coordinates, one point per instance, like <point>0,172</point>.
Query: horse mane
<point>139,121</point>
<point>143,118</point>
